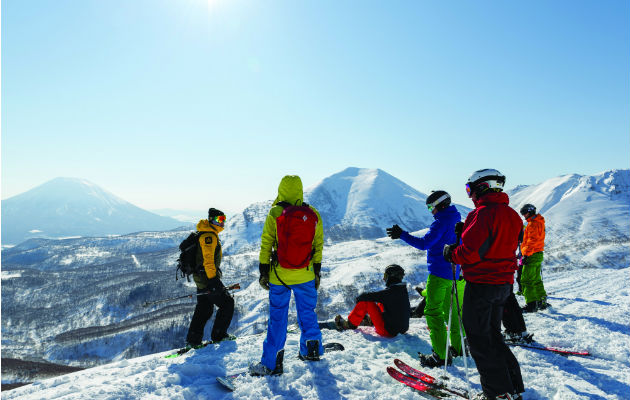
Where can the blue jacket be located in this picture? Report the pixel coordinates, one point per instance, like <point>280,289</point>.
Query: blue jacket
<point>441,232</point>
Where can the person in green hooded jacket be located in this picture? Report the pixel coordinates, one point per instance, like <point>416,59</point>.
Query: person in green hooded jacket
<point>290,261</point>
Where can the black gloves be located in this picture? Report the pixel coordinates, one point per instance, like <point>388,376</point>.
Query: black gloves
<point>459,228</point>
<point>394,232</point>
<point>448,252</point>
<point>214,284</point>
<point>264,276</point>
<point>317,267</point>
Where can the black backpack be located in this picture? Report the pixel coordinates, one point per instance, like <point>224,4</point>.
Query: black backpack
<point>187,261</point>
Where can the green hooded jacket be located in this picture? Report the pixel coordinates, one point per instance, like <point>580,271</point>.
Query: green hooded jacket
<point>289,190</point>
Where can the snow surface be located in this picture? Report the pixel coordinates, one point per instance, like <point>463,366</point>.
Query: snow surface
<point>590,311</point>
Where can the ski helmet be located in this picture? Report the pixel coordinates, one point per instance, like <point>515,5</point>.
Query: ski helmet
<point>216,217</point>
<point>394,271</point>
<point>483,180</point>
<point>438,199</point>
<point>528,209</point>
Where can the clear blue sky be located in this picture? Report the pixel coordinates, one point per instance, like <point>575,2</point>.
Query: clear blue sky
<point>189,103</point>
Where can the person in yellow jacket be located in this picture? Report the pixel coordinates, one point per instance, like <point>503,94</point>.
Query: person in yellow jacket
<point>532,249</point>
<point>210,290</point>
<point>290,261</point>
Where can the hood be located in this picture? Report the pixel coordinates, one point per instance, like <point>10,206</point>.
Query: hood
<point>290,190</point>
<point>205,226</point>
<point>492,198</point>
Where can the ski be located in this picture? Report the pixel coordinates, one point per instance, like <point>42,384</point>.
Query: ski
<point>427,379</point>
<point>228,380</point>
<point>186,349</point>
<point>563,352</point>
<point>416,384</point>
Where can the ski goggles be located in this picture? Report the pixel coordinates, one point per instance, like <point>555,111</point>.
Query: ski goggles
<point>219,220</point>
<point>468,190</point>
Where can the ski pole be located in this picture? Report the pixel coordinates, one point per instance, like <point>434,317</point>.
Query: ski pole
<point>448,328</point>
<point>235,286</point>
<point>458,232</point>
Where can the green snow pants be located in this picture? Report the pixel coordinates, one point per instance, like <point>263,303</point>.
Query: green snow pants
<point>531,279</point>
<point>436,313</point>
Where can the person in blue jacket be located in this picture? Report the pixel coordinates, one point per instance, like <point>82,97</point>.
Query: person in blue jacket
<point>440,280</point>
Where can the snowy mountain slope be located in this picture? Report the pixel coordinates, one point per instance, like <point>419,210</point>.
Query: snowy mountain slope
<point>356,203</point>
<point>590,312</point>
<point>584,215</point>
<point>79,301</point>
<point>65,207</point>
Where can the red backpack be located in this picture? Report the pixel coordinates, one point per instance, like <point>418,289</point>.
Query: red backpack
<point>295,229</point>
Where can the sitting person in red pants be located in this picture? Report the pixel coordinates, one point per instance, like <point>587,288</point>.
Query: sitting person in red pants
<point>388,309</point>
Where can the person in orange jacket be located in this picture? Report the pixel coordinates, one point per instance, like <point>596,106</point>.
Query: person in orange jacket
<point>532,249</point>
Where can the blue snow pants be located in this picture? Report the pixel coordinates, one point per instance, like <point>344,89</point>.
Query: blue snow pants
<point>305,302</point>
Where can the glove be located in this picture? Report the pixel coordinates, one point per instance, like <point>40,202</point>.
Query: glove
<point>214,284</point>
<point>394,232</point>
<point>459,228</point>
<point>448,252</point>
<point>317,267</point>
<point>263,280</point>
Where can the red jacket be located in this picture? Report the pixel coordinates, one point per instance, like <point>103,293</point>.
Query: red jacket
<point>487,253</point>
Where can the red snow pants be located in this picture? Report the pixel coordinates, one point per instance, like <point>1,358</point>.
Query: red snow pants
<point>374,310</point>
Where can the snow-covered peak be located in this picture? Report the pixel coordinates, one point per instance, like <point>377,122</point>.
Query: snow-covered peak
<point>65,207</point>
<point>356,203</point>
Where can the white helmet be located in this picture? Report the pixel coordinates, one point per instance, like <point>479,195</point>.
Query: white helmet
<point>485,179</point>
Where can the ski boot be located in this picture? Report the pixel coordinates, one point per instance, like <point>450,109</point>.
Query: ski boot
<point>530,307</point>
<point>542,304</point>
<point>518,337</point>
<point>260,369</point>
<point>342,324</point>
<point>312,351</point>
<point>433,360</point>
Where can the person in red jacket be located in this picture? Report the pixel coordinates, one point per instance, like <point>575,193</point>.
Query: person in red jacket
<point>487,255</point>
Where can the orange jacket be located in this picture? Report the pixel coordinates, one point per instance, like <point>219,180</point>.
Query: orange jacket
<point>534,236</point>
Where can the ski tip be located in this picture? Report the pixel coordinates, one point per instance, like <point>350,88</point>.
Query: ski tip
<point>226,383</point>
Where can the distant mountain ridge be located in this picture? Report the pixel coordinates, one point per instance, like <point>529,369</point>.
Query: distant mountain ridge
<point>587,215</point>
<point>66,207</point>
<point>356,203</point>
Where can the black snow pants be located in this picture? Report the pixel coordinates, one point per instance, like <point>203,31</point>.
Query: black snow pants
<point>513,315</point>
<point>482,312</point>
<point>203,311</point>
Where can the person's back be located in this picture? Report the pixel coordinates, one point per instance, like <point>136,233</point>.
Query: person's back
<point>487,255</point>
<point>283,271</point>
<point>388,310</point>
<point>396,308</point>
<point>489,241</point>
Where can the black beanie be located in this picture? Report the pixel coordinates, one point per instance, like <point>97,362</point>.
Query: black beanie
<point>213,212</point>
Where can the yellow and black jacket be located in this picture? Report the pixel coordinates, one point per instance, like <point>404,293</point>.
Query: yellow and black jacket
<point>210,255</point>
